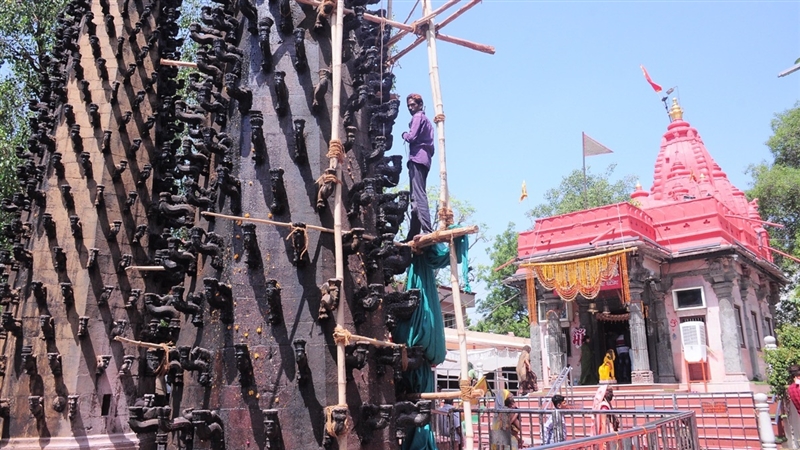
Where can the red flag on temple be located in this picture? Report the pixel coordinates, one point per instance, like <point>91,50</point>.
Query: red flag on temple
<point>655,86</point>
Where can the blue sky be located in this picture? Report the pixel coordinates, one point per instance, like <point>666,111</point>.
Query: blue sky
<point>566,67</point>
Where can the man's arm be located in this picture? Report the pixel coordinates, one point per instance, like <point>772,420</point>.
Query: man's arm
<point>412,135</point>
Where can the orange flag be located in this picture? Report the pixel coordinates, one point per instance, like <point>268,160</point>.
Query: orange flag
<point>655,86</point>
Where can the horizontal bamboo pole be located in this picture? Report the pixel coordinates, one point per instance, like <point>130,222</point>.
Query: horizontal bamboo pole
<point>456,14</point>
<point>426,240</point>
<point>423,20</point>
<point>142,344</point>
<point>439,395</point>
<point>370,17</point>
<point>404,52</point>
<point>146,268</point>
<point>483,48</point>
<point>340,333</point>
<point>266,221</point>
<point>172,62</point>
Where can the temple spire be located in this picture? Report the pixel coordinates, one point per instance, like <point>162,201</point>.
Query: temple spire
<point>675,112</point>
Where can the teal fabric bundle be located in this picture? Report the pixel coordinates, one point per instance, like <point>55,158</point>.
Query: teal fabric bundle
<point>426,326</point>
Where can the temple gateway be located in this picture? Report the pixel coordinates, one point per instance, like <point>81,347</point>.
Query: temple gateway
<point>681,277</point>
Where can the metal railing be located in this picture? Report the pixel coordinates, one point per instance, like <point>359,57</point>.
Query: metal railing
<point>561,385</point>
<point>652,429</point>
<point>724,420</point>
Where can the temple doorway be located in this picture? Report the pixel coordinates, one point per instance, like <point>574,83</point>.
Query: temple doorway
<point>614,333</point>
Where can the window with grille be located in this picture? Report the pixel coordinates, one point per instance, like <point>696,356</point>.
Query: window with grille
<point>449,320</point>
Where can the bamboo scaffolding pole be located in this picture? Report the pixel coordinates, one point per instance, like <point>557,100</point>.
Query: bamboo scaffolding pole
<point>370,17</point>
<point>265,221</point>
<point>472,45</point>
<point>172,62</point>
<point>146,268</point>
<point>483,48</point>
<point>444,201</point>
<point>457,14</point>
<point>338,210</point>
<point>403,33</point>
<point>341,333</point>
<point>403,52</point>
<point>437,236</point>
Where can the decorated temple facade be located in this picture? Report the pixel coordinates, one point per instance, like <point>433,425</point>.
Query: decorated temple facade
<point>681,275</point>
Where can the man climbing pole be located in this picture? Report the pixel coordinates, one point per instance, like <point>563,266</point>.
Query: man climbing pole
<point>420,144</point>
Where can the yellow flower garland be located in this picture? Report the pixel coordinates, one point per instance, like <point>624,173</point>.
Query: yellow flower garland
<point>582,276</point>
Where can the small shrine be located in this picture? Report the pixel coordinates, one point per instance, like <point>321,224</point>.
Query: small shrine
<point>678,283</point>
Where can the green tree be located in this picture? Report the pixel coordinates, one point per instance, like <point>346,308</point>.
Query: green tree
<point>503,310</point>
<point>27,34</point>
<point>776,185</point>
<point>569,196</point>
<point>779,360</point>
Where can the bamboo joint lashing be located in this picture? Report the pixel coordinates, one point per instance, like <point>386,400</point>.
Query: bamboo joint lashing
<point>439,118</point>
<point>468,392</point>
<point>327,178</point>
<point>336,150</point>
<point>446,215</point>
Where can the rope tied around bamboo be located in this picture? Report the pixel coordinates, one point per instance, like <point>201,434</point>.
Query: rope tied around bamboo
<point>336,150</point>
<point>438,118</point>
<point>342,336</point>
<point>326,178</point>
<point>162,368</point>
<point>330,424</point>
<point>446,215</point>
<point>302,230</point>
<point>468,392</point>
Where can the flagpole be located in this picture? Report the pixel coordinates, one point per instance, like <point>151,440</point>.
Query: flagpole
<point>583,153</point>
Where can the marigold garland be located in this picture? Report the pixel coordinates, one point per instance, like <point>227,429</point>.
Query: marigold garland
<point>582,276</point>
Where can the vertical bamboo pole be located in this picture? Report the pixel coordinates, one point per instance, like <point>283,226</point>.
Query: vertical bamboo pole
<point>444,201</point>
<point>336,50</point>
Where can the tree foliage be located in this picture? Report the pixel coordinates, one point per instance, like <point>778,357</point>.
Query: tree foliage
<point>776,185</point>
<point>503,310</point>
<point>569,196</point>
<point>27,34</point>
<point>779,360</point>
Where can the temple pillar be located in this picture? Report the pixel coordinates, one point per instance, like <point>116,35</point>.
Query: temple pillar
<point>556,352</point>
<point>750,334</point>
<point>536,350</point>
<point>640,360</point>
<point>588,324</point>
<point>721,278</point>
<point>537,345</point>
<point>664,360</point>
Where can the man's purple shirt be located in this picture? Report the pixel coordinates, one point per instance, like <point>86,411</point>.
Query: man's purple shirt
<point>420,139</point>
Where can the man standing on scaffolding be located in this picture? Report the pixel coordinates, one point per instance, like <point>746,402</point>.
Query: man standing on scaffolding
<point>420,144</point>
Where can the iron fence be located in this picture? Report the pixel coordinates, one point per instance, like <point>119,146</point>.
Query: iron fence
<point>637,429</point>
<point>722,420</point>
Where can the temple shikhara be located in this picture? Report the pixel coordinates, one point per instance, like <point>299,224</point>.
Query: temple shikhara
<point>681,278</point>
